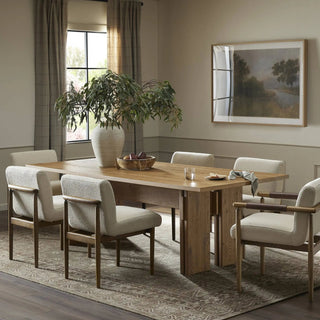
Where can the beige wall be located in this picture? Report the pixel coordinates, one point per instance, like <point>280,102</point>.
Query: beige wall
<point>187,29</point>
<point>17,74</point>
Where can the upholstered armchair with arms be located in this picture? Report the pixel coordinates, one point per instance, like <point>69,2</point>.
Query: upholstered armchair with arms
<point>31,204</point>
<point>261,165</point>
<point>91,216</point>
<point>271,228</point>
<point>39,156</point>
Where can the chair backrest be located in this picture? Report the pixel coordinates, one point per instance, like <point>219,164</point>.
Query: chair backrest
<point>262,165</point>
<point>38,156</point>
<point>309,196</point>
<point>193,158</point>
<point>23,202</point>
<point>82,216</point>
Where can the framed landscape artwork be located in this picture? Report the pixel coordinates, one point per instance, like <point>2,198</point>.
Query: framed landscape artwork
<point>260,83</point>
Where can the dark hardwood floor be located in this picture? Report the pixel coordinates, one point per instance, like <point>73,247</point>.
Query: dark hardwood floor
<point>22,300</point>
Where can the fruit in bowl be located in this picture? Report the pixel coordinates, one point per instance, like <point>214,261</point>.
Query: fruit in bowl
<point>133,156</point>
<point>134,161</point>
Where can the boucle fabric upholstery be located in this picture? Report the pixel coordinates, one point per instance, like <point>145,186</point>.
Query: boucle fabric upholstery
<point>50,208</point>
<point>193,158</point>
<point>260,165</point>
<point>38,156</point>
<point>114,220</point>
<point>271,227</point>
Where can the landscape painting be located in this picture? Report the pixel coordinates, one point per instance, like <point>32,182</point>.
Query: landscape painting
<point>261,83</point>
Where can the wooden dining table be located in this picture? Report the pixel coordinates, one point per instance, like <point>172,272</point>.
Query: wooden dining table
<point>198,200</point>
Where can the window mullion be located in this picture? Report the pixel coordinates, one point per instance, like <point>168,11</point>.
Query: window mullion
<point>87,78</point>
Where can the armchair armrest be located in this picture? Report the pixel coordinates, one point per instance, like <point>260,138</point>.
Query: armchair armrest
<point>275,207</point>
<point>278,195</point>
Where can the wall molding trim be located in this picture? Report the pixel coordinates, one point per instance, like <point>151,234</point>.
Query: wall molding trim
<point>231,141</point>
<point>16,147</point>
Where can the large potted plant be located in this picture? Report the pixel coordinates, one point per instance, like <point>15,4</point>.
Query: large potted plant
<point>116,100</point>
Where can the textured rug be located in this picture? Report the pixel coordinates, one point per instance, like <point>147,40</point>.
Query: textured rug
<point>167,294</point>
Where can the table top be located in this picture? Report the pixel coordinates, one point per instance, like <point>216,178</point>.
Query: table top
<point>162,174</point>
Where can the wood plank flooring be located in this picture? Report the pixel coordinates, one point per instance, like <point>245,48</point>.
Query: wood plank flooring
<point>22,300</point>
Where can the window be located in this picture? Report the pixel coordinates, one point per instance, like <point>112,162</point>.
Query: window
<point>86,58</point>
<point>222,79</point>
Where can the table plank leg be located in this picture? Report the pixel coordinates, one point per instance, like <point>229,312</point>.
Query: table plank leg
<point>226,245</point>
<point>194,232</point>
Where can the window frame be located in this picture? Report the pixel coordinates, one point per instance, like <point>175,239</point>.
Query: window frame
<point>87,70</point>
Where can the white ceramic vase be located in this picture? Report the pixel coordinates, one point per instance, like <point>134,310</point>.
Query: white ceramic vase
<point>107,144</point>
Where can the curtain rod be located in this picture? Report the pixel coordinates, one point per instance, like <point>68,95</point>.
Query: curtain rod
<point>107,1</point>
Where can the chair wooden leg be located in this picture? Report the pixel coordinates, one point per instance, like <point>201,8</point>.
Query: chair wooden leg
<point>152,231</point>
<point>98,247</point>
<point>238,250</point>
<point>10,226</point>
<point>66,240</point>
<point>262,268</point>
<point>98,261</point>
<point>243,251</point>
<point>143,205</point>
<point>35,231</point>
<point>310,258</point>
<point>173,223</point>
<point>36,245</point>
<point>61,236</point>
<point>10,230</point>
<point>89,250</point>
<point>66,258</point>
<point>118,252</point>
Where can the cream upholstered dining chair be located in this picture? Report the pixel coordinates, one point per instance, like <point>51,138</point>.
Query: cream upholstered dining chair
<point>261,165</point>
<point>39,156</point>
<point>31,204</point>
<point>285,231</point>
<point>91,216</point>
<point>194,159</point>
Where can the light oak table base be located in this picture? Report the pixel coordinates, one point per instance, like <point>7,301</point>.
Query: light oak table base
<point>223,221</point>
<point>194,210</point>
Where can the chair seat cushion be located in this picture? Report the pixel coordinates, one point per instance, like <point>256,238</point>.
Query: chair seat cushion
<point>268,227</point>
<point>130,219</point>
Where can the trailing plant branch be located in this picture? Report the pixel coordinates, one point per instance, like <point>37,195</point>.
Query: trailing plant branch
<point>114,98</point>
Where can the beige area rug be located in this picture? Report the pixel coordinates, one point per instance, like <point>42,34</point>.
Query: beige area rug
<point>167,294</point>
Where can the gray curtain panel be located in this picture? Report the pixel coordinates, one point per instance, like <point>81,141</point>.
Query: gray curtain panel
<point>124,56</point>
<point>50,46</point>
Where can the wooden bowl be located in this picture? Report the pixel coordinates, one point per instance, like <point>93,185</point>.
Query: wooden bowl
<point>136,164</point>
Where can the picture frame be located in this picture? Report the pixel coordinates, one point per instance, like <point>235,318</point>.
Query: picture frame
<point>260,83</point>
